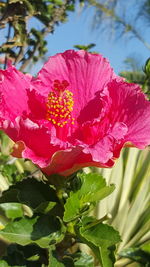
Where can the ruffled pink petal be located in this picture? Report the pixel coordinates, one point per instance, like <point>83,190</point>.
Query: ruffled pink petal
<point>13,96</point>
<point>102,151</point>
<point>39,142</point>
<point>37,139</point>
<point>130,106</point>
<point>119,130</point>
<point>69,161</point>
<point>90,133</point>
<point>87,74</point>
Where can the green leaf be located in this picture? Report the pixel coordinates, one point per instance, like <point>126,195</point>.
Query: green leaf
<point>147,67</point>
<point>38,195</point>
<point>92,189</point>
<point>43,231</point>
<point>12,210</point>
<point>11,172</point>
<point>3,263</point>
<point>9,196</point>
<point>107,256</point>
<point>102,236</point>
<point>45,207</point>
<point>85,47</point>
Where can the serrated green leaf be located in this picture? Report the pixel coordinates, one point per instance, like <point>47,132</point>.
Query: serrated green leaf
<point>93,188</point>
<point>72,207</point>
<point>43,231</point>
<point>102,236</point>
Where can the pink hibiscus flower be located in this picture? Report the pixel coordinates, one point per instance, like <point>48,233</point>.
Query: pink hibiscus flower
<point>75,113</point>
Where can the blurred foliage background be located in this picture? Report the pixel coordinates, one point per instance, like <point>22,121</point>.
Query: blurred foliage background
<point>128,208</point>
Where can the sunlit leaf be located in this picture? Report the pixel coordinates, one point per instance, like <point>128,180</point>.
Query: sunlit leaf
<point>93,188</point>
<point>102,236</point>
<point>12,210</point>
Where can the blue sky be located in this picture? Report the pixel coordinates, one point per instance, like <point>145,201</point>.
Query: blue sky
<point>78,30</point>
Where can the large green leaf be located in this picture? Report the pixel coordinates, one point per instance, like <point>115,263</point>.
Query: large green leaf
<point>43,231</point>
<point>92,189</point>
<point>103,236</point>
<point>38,195</point>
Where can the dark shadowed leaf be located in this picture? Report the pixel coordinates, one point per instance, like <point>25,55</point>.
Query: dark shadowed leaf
<point>27,256</point>
<point>43,231</point>
<point>138,254</point>
<point>38,195</point>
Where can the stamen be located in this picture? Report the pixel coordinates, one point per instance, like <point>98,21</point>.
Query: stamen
<point>60,104</point>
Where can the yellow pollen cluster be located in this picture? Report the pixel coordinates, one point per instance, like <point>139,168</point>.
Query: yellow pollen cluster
<point>59,107</point>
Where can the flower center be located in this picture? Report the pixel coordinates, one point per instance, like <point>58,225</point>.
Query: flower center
<point>60,104</point>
